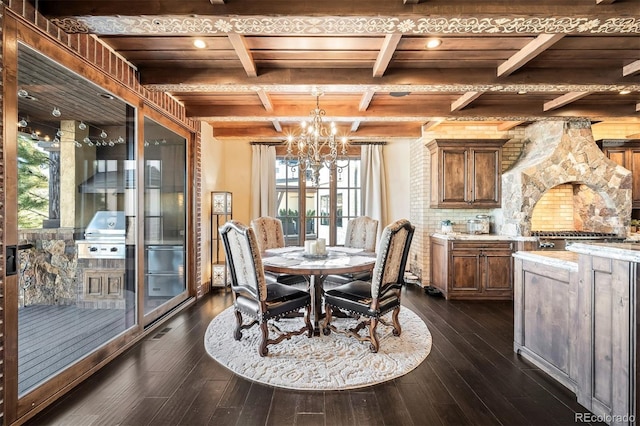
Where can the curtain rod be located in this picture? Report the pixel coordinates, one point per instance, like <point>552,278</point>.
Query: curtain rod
<point>357,143</point>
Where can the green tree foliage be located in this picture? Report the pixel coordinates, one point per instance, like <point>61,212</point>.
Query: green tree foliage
<point>33,184</point>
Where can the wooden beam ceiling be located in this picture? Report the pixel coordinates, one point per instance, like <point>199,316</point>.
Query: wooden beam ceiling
<point>564,100</point>
<point>386,52</point>
<point>527,53</point>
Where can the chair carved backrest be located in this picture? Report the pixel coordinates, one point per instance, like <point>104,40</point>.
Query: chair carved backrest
<point>268,231</point>
<point>244,259</point>
<point>392,257</point>
<point>362,232</point>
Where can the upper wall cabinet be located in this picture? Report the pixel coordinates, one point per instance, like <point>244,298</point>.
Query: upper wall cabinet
<point>625,152</point>
<point>466,173</point>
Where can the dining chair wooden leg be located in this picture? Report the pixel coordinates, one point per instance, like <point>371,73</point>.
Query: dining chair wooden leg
<point>237,334</point>
<point>396,323</point>
<point>264,328</point>
<point>307,321</point>
<point>374,344</point>
<point>327,320</point>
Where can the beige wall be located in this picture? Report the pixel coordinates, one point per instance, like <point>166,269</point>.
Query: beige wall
<point>226,166</point>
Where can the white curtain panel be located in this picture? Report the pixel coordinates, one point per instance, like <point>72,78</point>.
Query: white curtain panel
<point>263,181</point>
<point>374,185</point>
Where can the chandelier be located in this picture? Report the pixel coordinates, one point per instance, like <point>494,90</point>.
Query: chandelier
<point>316,146</point>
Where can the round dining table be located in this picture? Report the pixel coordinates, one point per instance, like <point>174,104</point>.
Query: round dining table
<point>315,268</point>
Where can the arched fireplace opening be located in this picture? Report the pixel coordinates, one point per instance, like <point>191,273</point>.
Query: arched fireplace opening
<point>573,206</point>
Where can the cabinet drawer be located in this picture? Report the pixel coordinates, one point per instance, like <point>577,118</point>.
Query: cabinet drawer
<point>482,245</point>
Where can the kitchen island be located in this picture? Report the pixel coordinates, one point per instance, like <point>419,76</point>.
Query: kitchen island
<point>575,318</point>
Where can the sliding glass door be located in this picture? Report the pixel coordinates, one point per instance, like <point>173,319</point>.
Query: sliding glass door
<point>164,218</point>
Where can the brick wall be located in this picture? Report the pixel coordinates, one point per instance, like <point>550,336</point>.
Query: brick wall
<point>426,219</point>
<point>555,210</point>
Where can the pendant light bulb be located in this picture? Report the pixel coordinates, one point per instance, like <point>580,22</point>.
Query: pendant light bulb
<point>56,112</point>
<point>82,126</point>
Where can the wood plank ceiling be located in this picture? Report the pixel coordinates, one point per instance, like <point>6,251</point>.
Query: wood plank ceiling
<point>499,62</point>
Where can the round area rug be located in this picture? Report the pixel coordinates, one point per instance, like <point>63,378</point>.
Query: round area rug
<point>333,362</point>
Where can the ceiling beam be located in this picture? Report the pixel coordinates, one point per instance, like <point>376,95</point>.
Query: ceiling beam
<point>527,53</point>
<point>563,100</point>
<point>464,100</point>
<point>366,100</point>
<point>630,69</point>
<point>244,54</point>
<point>462,11</point>
<point>277,126</point>
<point>429,125</point>
<point>508,125</point>
<point>355,125</point>
<point>187,77</point>
<point>386,53</point>
<point>402,130</point>
<point>265,99</point>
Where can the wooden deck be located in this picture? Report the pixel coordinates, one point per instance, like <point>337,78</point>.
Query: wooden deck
<point>50,338</point>
<point>471,377</point>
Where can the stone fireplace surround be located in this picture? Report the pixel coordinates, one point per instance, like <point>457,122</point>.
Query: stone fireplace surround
<point>562,152</point>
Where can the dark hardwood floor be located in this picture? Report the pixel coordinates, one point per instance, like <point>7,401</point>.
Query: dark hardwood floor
<point>471,377</point>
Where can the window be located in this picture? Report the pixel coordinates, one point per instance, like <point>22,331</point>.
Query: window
<point>308,212</point>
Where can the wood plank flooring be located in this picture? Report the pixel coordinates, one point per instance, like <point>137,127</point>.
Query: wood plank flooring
<point>471,377</point>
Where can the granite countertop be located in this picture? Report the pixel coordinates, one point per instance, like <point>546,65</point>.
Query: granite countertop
<point>622,251</point>
<point>480,237</point>
<point>559,258</point>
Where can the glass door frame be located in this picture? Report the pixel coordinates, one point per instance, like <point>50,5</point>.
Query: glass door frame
<point>16,408</point>
<point>148,319</point>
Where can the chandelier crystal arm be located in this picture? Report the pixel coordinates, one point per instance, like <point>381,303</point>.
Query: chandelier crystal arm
<point>316,146</point>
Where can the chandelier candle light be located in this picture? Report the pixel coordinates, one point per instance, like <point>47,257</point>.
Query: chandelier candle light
<point>316,146</point>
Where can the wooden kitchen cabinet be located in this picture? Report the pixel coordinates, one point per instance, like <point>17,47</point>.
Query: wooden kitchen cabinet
<point>466,173</point>
<point>472,269</point>
<point>626,153</point>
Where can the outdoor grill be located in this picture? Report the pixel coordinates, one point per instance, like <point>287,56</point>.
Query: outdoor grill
<point>559,240</point>
<point>104,237</point>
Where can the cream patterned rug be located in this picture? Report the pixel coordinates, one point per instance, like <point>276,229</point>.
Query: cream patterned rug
<point>333,362</point>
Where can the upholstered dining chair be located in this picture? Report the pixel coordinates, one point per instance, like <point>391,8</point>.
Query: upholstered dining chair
<point>269,235</point>
<point>252,296</point>
<point>362,233</point>
<point>369,301</point>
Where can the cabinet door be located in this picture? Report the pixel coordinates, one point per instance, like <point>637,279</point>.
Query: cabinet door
<point>485,177</point>
<point>498,272</point>
<point>464,273</point>
<point>454,173</point>
<point>617,155</point>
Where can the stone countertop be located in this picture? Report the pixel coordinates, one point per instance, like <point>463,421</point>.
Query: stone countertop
<point>480,237</point>
<point>622,251</point>
<point>559,258</point>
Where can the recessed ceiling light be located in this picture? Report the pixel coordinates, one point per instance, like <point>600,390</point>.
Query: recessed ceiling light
<point>199,43</point>
<point>625,91</point>
<point>432,43</point>
<point>106,96</point>
<point>522,92</point>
